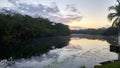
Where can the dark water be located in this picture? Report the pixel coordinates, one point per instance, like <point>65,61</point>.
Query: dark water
<point>59,52</point>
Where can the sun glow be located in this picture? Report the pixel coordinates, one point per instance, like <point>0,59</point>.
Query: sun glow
<point>86,23</point>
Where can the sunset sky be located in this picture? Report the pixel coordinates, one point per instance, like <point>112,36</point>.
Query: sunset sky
<point>75,13</point>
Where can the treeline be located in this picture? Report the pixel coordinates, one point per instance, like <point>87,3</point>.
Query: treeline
<point>111,31</point>
<point>101,31</point>
<point>14,26</point>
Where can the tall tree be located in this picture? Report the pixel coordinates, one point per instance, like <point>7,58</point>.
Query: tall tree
<point>115,17</point>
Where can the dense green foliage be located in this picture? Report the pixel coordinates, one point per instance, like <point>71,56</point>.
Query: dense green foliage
<point>102,31</point>
<point>14,26</point>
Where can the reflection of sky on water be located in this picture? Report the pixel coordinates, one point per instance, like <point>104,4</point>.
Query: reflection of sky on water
<point>79,52</point>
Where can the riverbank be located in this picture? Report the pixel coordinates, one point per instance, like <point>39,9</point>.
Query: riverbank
<point>110,65</point>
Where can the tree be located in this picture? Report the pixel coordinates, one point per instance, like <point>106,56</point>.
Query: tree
<point>15,26</point>
<point>115,18</point>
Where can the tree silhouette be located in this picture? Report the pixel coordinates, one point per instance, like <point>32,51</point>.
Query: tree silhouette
<point>115,18</point>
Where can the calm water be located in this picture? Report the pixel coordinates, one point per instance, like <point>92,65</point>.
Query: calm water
<point>66,52</point>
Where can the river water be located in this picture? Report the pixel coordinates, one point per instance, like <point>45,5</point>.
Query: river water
<point>76,51</point>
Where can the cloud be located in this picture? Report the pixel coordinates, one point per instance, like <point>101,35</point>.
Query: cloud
<point>5,3</point>
<point>33,10</point>
<point>71,8</point>
<point>37,9</point>
<point>72,13</point>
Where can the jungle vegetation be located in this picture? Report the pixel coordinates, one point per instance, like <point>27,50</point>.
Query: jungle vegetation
<point>15,26</point>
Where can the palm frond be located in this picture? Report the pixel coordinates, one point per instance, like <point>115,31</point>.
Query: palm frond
<point>115,22</point>
<point>111,16</point>
<point>115,17</point>
<point>112,8</point>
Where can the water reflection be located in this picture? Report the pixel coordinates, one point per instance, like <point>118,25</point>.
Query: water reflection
<point>33,47</point>
<point>83,50</point>
<point>110,39</point>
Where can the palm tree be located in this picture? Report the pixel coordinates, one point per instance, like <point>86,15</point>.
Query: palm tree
<point>115,18</point>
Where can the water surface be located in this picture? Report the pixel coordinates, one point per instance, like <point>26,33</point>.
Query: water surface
<point>77,51</point>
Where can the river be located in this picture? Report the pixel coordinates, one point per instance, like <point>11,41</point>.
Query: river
<point>66,52</point>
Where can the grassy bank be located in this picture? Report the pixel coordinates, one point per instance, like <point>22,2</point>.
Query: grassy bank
<point>110,65</point>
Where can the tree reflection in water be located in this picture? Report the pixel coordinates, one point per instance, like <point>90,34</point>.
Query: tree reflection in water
<point>80,50</point>
<point>32,47</point>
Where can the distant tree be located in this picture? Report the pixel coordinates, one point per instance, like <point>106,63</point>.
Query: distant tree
<point>111,31</point>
